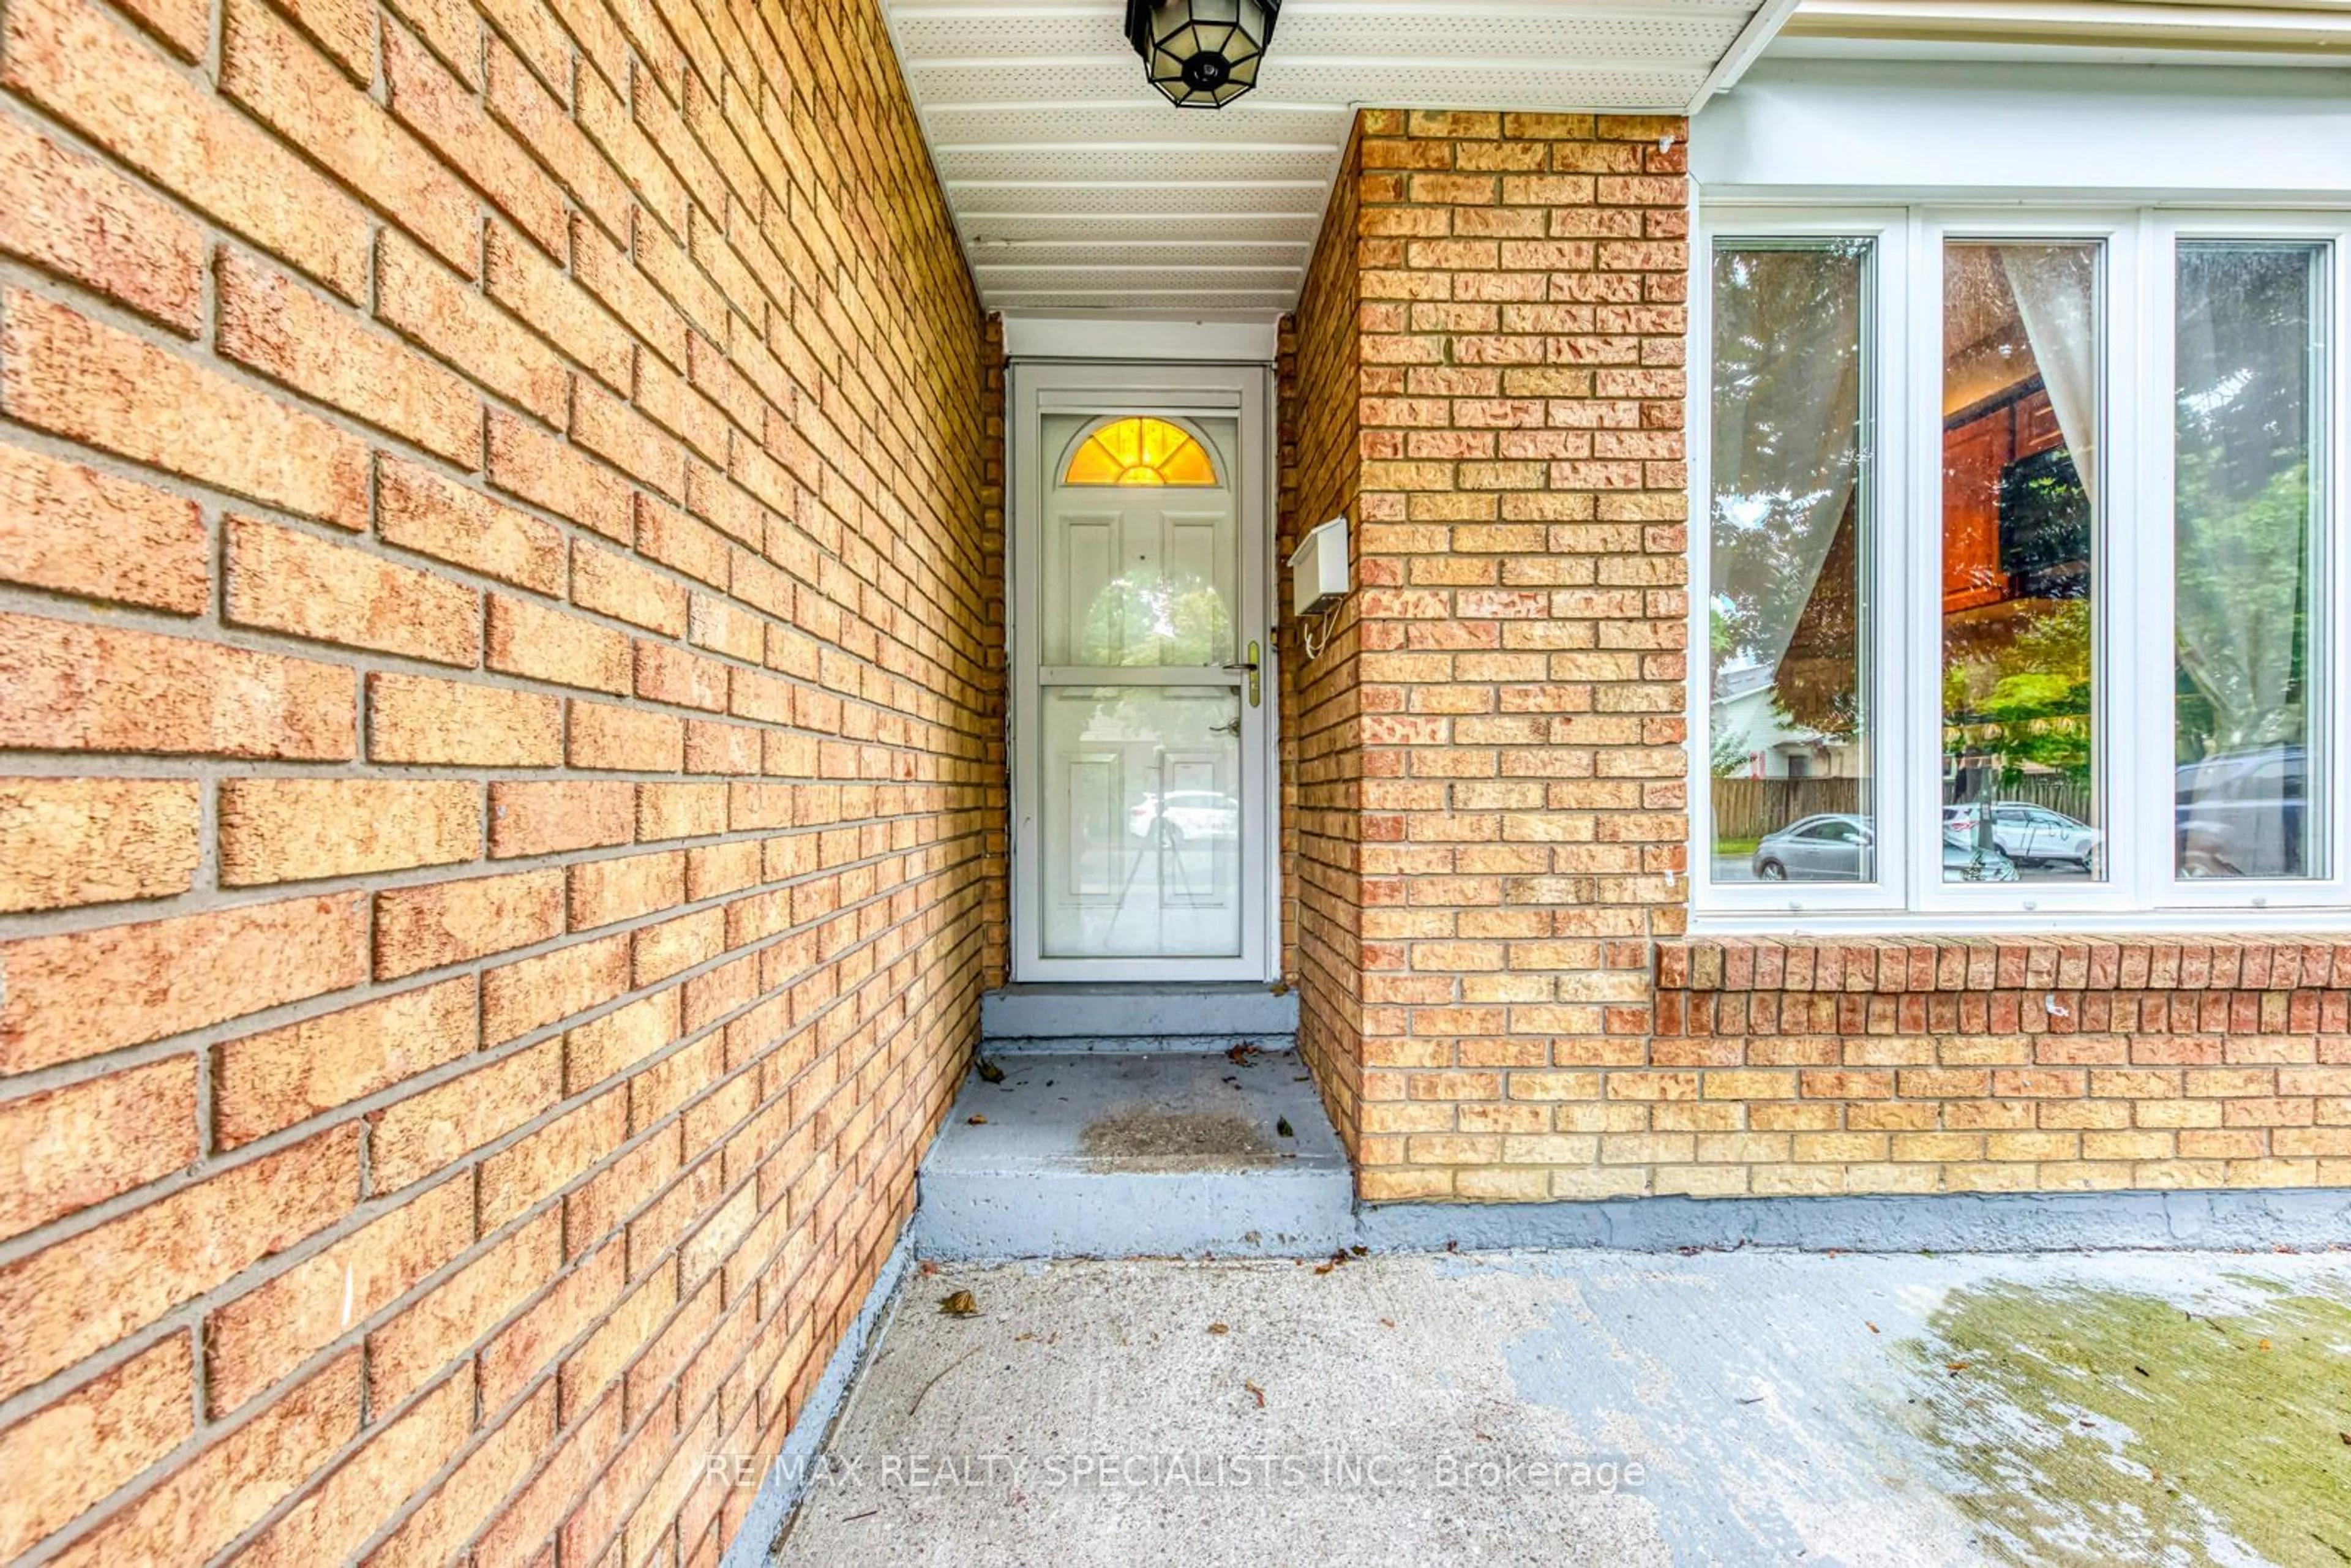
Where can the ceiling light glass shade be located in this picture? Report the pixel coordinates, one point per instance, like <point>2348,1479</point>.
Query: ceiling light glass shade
<point>1202,54</point>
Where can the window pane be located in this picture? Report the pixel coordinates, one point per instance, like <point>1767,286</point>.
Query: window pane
<point>1789,728</point>
<point>2023,410</point>
<point>2247,459</point>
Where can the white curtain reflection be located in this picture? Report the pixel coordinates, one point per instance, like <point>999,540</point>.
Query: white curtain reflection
<point>1787,413</point>
<point>2056,291</point>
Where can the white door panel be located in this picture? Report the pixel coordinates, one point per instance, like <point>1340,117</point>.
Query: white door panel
<point>1142,780</point>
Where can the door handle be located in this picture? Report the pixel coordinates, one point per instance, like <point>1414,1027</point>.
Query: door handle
<point>1250,664</point>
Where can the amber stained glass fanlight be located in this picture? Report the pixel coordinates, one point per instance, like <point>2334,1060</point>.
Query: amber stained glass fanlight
<point>1141,452</point>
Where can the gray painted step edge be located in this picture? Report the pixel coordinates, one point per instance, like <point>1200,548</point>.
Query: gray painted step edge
<point>1047,1012</point>
<point>1001,1219</point>
<point>1136,1044</point>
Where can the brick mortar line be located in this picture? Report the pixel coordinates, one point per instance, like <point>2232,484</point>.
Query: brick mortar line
<point>371,544</point>
<point>87,302</point>
<point>216,1162</point>
<point>191,1314</point>
<point>814,1261</point>
<point>81,919</point>
<point>208,1433</point>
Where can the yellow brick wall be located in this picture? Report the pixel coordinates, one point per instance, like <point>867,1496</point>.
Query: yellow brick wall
<point>500,838</point>
<point>1499,993</point>
<point>1321,757</point>
<point>1517,647</point>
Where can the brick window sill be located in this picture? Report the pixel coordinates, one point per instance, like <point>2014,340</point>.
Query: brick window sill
<point>1910,966</point>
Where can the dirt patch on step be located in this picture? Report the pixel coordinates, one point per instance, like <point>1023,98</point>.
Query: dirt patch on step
<point>1144,1138</point>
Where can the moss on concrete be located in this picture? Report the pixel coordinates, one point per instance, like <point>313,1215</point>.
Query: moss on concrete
<point>2099,1427</point>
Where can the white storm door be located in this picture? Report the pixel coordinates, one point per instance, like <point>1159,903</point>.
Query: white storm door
<point>1142,718</point>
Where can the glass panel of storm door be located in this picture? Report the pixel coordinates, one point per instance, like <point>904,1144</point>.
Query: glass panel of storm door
<point>1142,822</point>
<point>2023,410</point>
<point>1788,739</point>
<point>1138,577</point>
<point>1140,809</point>
<point>2249,403</point>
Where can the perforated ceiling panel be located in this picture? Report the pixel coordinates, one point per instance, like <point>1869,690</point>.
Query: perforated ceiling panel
<point>1079,190</point>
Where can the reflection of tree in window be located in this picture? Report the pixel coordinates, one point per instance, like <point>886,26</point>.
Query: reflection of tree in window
<point>2243,504</point>
<point>1145,620</point>
<point>2243,497</point>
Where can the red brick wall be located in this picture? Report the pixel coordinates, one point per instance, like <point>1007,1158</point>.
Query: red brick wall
<point>500,655</point>
<point>1987,1065</point>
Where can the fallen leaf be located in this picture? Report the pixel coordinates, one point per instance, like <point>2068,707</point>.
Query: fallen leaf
<point>1324,1268</point>
<point>1360,1251</point>
<point>977,1122</point>
<point>2346,1438</point>
<point>1242,1055</point>
<point>2265,1344</point>
<point>1870,1327</point>
<point>1022,1338</point>
<point>1387,1322</point>
<point>1283,1127</point>
<point>1253,1388</point>
<point>2142,1371</point>
<point>1219,1328</point>
<point>1280,988</point>
<point>989,1073</point>
<point>929,1268</point>
<point>962,1304</point>
<point>1955,1366</point>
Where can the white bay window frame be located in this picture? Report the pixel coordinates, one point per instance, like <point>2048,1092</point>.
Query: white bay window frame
<point>2132,595</point>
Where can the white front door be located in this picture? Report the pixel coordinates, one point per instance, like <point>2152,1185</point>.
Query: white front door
<point>1142,673</point>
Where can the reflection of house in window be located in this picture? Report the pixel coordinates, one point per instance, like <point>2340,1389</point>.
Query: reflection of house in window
<point>2020,423</point>
<point>2016,516</point>
<point>1756,736</point>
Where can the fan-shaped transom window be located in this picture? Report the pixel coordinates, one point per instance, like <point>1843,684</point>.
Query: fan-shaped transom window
<point>1141,451</point>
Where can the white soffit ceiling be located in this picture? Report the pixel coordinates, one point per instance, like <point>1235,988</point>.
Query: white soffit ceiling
<point>1077,188</point>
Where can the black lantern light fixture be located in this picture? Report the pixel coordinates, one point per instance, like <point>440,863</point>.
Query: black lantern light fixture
<point>1202,54</point>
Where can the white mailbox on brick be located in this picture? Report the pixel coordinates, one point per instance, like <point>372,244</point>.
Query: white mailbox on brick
<point>1318,570</point>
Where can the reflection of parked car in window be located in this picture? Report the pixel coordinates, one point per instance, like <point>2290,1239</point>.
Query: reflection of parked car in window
<point>1835,847</point>
<point>1184,814</point>
<point>2242,814</point>
<point>2030,835</point>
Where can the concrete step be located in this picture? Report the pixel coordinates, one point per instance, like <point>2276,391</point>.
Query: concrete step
<point>1135,1155</point>
<point>1157,1019</point>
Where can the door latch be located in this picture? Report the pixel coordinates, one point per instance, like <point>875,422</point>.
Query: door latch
<point>1250,664</point>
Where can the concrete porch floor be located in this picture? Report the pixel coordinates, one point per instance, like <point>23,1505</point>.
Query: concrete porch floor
<point>2174,1407</point>
<point>1128,1155</point>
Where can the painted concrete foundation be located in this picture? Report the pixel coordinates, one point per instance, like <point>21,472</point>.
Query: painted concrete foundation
<point>1135,1155</point>
<point>785,1481</point>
